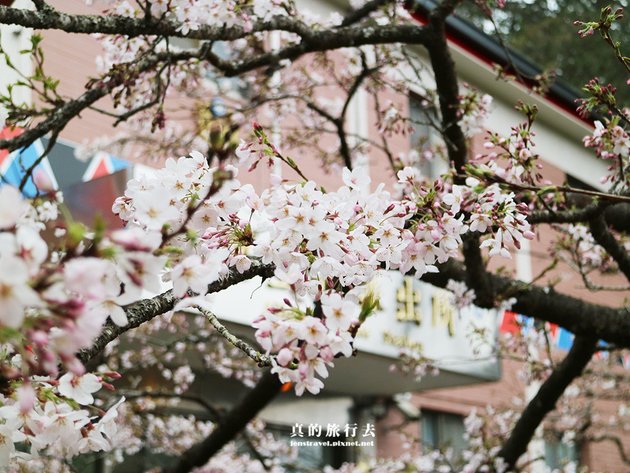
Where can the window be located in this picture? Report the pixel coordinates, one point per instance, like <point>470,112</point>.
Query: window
<point>558,453</point>
<point>441,430</point>
<point>424,136</point>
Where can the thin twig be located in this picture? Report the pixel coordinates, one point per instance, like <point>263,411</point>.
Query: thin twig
<point>261,359</point>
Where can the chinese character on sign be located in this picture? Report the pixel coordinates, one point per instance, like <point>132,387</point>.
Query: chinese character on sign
<point>296,430</point>
<point>314,430</point>
<point>350,430</point>
<point>443,311</point>
<point>368,431</point>
<point>408,299</point>
<point>333,430</point>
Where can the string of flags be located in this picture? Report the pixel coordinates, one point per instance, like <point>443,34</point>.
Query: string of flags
<point>514,323</point>
<point>89,187</point>
<point>60,169</point>
<point>559,337</point>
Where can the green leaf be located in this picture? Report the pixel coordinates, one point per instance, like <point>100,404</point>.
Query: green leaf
<point>76,233</point>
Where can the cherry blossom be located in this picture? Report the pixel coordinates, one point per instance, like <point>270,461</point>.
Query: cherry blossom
<point>79,388</point>
<point>13,207</point>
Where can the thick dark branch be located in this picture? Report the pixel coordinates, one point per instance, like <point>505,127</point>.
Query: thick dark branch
<point>617,215</point>
<point>444,9</point>
<point>477,277</point>
<point>448,93</point>
<point>230,424</point>
<point>346,36</point>
<point>49,18</point>
<point>147,309</point>
<point>545,400</point>
<point>57,120</point>
<point>576,315</point>
<point>606,240</point>
<point>312,41</point>
<point>577,215</point>
<point>325,40</point>
<point>137,314</point>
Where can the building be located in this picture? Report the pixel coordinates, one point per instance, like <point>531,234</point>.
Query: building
<point>434,415</point>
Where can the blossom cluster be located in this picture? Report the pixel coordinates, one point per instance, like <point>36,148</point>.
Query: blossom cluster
<point>611,143</point>
<point>44,415</point>
<point>325,245</point>
<point>191,224</point>
<point>512,158</point>
<point>473,111</point>
<point>55,296</point>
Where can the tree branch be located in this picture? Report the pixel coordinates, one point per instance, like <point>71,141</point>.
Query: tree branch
<point>575,315</point>
<point>214,413</point>
<point>60,117</point>
<point>325,40</point>
<point>444,9</point>
<point>230,424</point>
<point>49,18</point>
<point>448,93</point>
<point>312,41</point>
<point>576,215</point>
<point>147,309</point>
<point>545,400</point>
<point>606,240</point>
<point>262,360</point>
<point>456,146</point>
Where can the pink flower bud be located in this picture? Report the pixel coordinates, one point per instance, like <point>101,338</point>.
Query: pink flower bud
<point>26,398</point>
<point>529,235</point>
<point>284,357</point>
<point>39,338</point>
<point>326,354</point>
<point>75,366</point>
<point>112,374</point>
<point>42,180</point>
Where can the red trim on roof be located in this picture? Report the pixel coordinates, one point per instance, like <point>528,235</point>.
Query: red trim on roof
<point>453,38</point>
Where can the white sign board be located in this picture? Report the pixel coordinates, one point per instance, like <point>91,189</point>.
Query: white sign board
<point>413,315</point>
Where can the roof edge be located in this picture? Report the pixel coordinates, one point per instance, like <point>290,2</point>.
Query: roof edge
<point>479,44</point>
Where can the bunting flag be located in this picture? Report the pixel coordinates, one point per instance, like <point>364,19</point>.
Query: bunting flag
<point>103,164</point>
<point>509,323</point>
<point>560,338</point>
<point>89,187</point>
<point>5,134</point>
<point>564,340</point>
<point>15,166</point>
<point>552,329</point>
<point>513,323</point>
<point>60,169</point>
